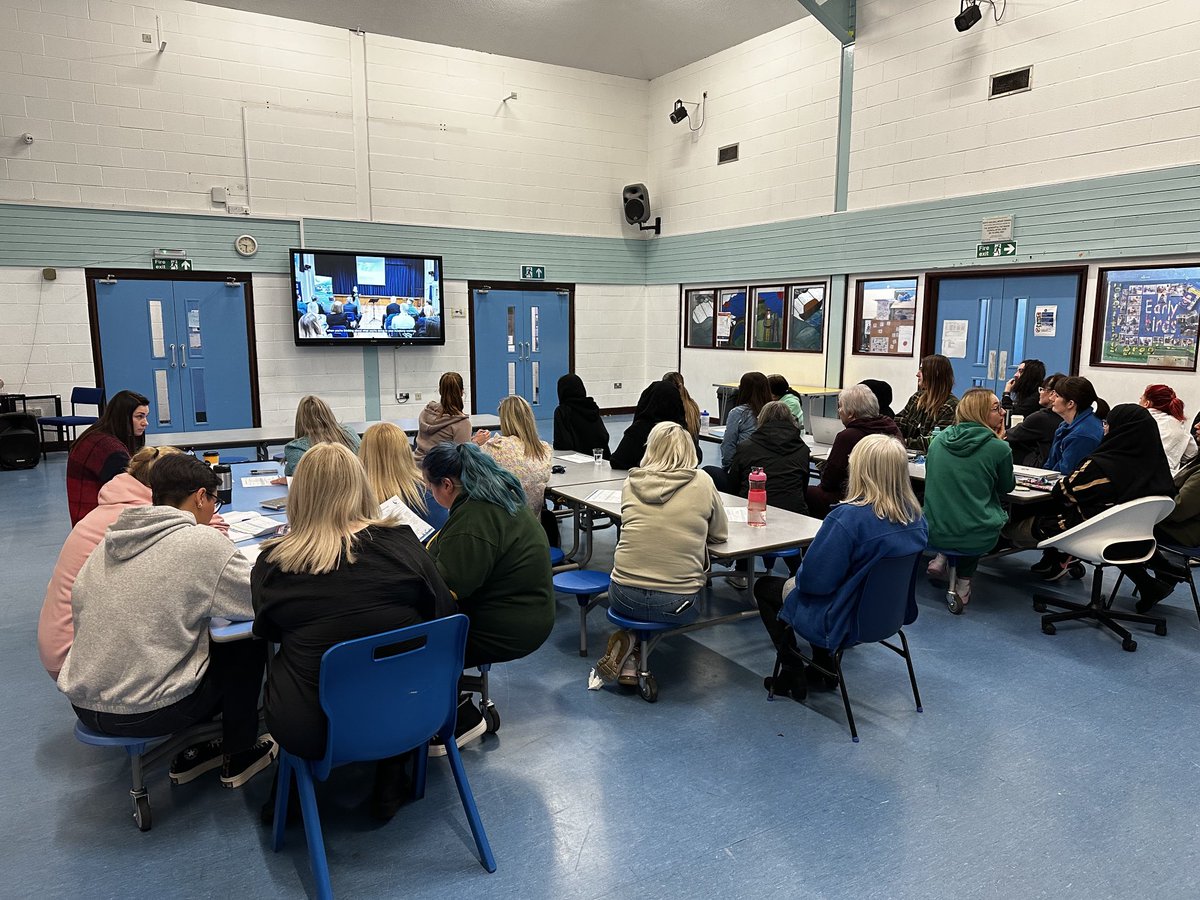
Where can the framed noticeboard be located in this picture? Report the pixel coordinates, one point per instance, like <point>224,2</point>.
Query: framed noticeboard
<point>885,317</point>
<point>1147,318</point>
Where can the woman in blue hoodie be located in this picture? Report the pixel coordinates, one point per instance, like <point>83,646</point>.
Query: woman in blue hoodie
<point>968,470</point>
<point>880,519</point>
<point>1081,428</point>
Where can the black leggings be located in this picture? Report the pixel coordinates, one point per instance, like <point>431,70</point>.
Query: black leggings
<point>769,594</point>
<point>230,686</point>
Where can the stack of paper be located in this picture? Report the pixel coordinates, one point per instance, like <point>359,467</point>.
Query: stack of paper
<point>245,526</point>
<point>394,508</point>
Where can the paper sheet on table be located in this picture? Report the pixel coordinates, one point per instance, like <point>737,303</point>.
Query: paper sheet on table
<point>249,481</point>
<point>717,431</point>
<point>604,497</point>
<point>244,526</point>
<point>395,508</point>
<point>735,513</point>
<point>954,338</point>
<point>574,457</point>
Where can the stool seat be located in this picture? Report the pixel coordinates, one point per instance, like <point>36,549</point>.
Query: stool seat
<point>581,582</point>
<point>637,625</point>
<point>556,555</point>
<point>85,735</point>
<point>782,554</point>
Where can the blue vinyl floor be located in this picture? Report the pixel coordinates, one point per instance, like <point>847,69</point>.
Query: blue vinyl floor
<point>1056,767</point>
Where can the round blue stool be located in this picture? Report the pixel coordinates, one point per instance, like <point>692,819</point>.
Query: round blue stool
<point>556,555</point>
<point>769,558</point>
<point>588,586</point>
<point>135,747</point>
<point>953,602</point>
<point>643,635</point>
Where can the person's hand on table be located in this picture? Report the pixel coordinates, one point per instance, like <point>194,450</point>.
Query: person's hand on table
<point>481,437</point>
<point>282,479</point>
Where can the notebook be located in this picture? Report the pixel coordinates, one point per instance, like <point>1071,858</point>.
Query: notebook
<point>276,503</point>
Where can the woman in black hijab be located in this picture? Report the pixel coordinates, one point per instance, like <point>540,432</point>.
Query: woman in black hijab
<point>660,402</point>
<point>883,393</point>
<point>1128,464</point>
<point>577,422</point>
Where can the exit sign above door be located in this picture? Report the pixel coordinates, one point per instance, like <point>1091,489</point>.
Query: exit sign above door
<point>533,273</point>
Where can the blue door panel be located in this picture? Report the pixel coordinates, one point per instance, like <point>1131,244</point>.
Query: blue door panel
<point>136,321</point>
<point>1060,292</point>
<point>496,320</point>
<point>549,352</point>
<point>976,301</point>
<point>214,354</point>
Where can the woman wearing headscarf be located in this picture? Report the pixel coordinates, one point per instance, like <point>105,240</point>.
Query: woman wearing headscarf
<point>577,422</point>
<point>1128,464</point>
<point>883,393</point>
<point>660,402</point>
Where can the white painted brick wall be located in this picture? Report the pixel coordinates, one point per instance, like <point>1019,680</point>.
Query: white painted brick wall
<point>1116,88</point>
<point>776,95</point>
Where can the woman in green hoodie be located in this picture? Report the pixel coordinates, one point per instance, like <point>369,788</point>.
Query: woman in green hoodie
<point>968,470</point>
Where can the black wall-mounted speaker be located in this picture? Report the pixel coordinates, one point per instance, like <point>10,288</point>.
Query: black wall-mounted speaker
<point>636,201</point>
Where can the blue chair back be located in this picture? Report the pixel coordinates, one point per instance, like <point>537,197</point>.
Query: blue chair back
<point>887,600</point>
<point>86,396</point>
<point>385,694</point>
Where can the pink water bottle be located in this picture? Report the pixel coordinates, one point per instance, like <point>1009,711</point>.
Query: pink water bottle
<point>756,506</point>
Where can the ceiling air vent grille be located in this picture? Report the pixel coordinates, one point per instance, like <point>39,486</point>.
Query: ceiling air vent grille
<point>727,154</point>
<point>1015,82</point>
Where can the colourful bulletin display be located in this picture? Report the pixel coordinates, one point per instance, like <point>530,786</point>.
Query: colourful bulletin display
<point>1150,318</point>
<point>886,313</point>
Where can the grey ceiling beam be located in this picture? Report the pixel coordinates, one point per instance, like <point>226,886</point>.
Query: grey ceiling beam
<point>838,17</point>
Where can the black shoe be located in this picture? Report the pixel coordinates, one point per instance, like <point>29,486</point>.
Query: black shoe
<point>196,760</point>
<point>1153,593</point>
<point>1044,566</point>
<point>239,768</point>
<point>1063,568</point>
<point>819,681</point>
<point>393,787</point>
<point>267,814</point>
<point>469,726</point>
<point>790,683</point>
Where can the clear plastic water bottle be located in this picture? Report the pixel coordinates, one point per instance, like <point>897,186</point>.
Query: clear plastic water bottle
<point>756,506</point>
<point>704,419</point>
<point>937,429</point>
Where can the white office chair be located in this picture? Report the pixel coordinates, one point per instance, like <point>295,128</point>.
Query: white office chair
<point>1119,536</point>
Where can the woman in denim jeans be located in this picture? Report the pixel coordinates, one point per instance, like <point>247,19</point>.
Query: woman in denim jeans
<point>670,512</point>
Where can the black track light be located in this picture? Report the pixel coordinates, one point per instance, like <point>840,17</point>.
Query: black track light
<point>679,113</point>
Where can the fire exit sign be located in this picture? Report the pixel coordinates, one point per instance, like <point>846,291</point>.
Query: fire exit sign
<point>533,273</point>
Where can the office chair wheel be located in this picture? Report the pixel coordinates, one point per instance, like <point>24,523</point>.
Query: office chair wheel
<point>141,812</point>
<point>1161,630</point>
<point>491,716</point>
<point>648,688</point>
<point>1048,627</point>
<point>1129,645</point>
<point>1038,606</point>
<point>953,603</point>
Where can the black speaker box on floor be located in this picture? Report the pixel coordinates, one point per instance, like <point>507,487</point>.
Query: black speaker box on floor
<point>20,445</point>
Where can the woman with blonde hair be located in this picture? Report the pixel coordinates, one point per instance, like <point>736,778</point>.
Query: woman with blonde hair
<point>315,424</point>
<point>968,471</point>
<point>56,625</point>
<point>932,406</point>
<point>670,513</point>
<point>518,449</point>
<point>880,519</point>
<point>339,573</point>
<point>691,411</point>
<point>443,421</point>
<point>392,471</point>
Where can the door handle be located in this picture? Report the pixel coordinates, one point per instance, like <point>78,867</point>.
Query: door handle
<point>1004,366</point>
<point>991,365</point>
<point>172,356</point>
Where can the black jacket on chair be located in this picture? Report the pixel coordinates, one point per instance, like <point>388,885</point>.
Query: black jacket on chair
<point>1031,438</point>
<point>781,452</point>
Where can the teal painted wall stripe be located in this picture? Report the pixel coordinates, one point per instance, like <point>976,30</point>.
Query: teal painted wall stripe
<point>841,191</point>
<point>1155,213</point>
<point>372,405</point>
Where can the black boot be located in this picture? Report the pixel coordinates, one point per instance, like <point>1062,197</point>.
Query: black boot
<point>1152,593</point>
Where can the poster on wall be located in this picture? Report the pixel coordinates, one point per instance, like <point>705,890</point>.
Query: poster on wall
<point>954,338</point>
<point>886,316</point>
<point>1045,321</point>
<point>1148,318</point>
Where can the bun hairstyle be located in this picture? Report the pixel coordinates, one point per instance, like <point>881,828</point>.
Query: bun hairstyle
<point>1080,391</point>
<point>1163,398</point>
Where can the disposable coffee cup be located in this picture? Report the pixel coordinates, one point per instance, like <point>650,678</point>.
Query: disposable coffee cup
<point>212,457</point>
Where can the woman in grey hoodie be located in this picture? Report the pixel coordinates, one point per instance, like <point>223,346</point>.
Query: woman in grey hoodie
<point>142,664</point>
<point>670,513</point>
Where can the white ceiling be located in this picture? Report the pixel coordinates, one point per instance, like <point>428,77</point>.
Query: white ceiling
<point>637,38</point>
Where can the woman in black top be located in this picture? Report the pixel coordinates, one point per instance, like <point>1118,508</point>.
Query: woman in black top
<point>340,573</point>
<point>1021,392</point>
<point>577,422</point>
<point>1031,438</point>
<point>660,402</point>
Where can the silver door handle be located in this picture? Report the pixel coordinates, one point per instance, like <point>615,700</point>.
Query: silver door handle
<point>991,365</point>
<point>172,356</point>
<point>1004,366</point>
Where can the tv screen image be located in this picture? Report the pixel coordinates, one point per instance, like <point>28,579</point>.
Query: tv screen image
<point>343,298</point>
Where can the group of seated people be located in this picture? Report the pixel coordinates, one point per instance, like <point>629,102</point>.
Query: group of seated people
<point>140,663</point>
<point>338,317</point>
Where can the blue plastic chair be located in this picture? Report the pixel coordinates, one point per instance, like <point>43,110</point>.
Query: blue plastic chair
<point>588,586</point>
<point>383,695</point>
<point>80,396</point>
<point>882,609</point>
<point>645,636</point>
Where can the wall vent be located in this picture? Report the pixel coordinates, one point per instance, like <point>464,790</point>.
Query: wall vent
<point>727,154</point>
<point>1014,82</point>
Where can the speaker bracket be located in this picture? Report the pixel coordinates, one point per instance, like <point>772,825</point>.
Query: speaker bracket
<point>656,227</point>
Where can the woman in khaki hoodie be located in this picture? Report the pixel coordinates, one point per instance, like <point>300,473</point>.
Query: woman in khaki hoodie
<point>670,513</point>
<point>443,421</point>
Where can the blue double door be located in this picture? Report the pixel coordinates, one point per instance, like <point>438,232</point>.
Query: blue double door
<point>183,344</point>
<point>986,325</point>
<point>521,342</point>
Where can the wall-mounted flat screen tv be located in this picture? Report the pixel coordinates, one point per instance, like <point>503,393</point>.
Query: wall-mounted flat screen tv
<point>348,299</point>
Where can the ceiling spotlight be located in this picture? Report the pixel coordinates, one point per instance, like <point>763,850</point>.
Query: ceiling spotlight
<point>969,15</point>
<point>679,113</point>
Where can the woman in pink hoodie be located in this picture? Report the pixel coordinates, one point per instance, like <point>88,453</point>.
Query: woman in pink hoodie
<point>56,627</point>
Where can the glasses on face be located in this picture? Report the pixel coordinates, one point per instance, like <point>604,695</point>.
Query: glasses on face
<point>216,502</point>
<point>995,407</point>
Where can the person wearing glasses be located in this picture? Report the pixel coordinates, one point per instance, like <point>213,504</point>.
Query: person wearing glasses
<point>1031,438</point>
<point>968,470</point>
<point>142,663</point>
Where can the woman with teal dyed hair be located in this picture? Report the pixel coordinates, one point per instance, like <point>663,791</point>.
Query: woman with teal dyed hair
<point>492,553</point>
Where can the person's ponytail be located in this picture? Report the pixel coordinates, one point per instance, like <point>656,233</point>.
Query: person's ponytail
<point>1101,409</point>
<point>484,479</point>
